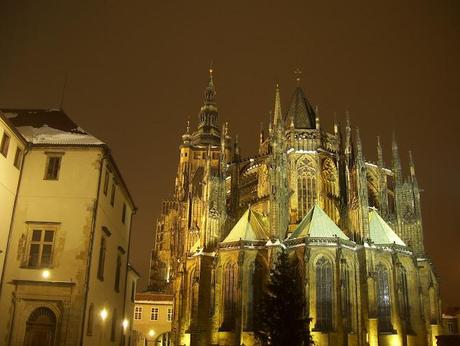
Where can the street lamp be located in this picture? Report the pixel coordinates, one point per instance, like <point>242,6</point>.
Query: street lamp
<point>125,324</point>
<point>46,274</point>
<point>103,314</point>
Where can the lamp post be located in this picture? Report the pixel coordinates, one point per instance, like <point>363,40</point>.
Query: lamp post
<point>150,334</point>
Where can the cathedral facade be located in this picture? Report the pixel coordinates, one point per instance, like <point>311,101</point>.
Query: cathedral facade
<point>351,227</point>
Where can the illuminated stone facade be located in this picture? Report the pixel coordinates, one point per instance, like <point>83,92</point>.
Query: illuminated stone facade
<point>67,231</point>
<point>353,229</point>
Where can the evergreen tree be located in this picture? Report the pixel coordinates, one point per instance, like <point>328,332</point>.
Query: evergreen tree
<point>281,317</point>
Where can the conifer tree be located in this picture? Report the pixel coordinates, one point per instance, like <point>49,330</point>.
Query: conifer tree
<point>281,317</point>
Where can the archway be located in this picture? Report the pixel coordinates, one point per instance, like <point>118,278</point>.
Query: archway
<point>40,328</point>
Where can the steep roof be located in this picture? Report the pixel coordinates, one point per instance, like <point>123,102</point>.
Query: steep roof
<point>251,226</point>
<point>317,224</point>
<point>48,126</point>
<point>380,232</point>
<point>301,111</point>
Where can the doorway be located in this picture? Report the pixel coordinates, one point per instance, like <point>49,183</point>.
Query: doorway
<point>41,328</point>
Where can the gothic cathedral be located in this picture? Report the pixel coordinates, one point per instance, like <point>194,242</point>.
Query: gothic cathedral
<point>353,229</point>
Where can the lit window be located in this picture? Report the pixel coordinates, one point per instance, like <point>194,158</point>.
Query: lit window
<point>170,314</point>
<point>41,247</point>
<point>5,144</point>
<point>52,168</point>
<point>383,299</point>
<point>18,158</point>
<point>154,314</point>
<point>323,294</point>
<point>306,187</point>
<point>138,313</point>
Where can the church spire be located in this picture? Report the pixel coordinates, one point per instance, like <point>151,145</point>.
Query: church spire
<point>208,128</point>
<point>396,162</point>
<point>277,117</point>
<point>210,92</point>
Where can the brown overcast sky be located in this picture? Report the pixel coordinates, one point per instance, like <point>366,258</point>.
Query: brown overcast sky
<point>137,69</point>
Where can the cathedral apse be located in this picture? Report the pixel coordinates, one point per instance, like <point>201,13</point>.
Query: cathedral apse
<point>352,226</point>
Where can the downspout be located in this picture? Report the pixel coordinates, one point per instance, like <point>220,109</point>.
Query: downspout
<point>91,243</point>
<point>127,267</point>
<point>10,231</point>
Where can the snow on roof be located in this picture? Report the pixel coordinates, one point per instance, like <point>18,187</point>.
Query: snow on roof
<point>317,224</point>
<point>251,226</point>
<point>380,232</point>
<point>49,127</point>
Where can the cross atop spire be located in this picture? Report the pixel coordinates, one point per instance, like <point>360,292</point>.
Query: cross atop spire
<point>297,73</point>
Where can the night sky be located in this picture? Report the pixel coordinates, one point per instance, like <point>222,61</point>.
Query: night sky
<point>136,72</point>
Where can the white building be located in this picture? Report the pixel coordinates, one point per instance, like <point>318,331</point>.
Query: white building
<point>65,261</point>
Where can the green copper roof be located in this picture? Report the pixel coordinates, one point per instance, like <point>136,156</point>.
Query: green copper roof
<point>251,226</point>
<point>380,232</point>
<point>318,225</point>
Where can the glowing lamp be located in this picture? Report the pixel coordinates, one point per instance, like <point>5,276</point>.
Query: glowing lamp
<point>46,274</point>
<point>103,314</point>
<point>125,324</point>
<point>151,332</point>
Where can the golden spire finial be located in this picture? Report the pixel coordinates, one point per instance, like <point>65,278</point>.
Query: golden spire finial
<point>297,73</point>
<point>211,70</point>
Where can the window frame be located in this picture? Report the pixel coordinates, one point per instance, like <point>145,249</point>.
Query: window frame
<point>49,157</point>
<point>106,182</point>
<point>5,144</point>
<point>138,311</point>
<point>101,259</point>
<point>154,313</point>
<point>43,228</point>
<point>169,314</point>
<point>18,157</point>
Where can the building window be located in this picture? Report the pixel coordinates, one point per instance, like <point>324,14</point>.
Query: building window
<point>112,195</point>
<point>52,168</point>
<point>306,187</point>
<point>100,268</point>
<point>323,294</point>
<point>5,144</point>
<point>113,330</point>
<point>229,295</point>
<point>404,295</point>
<point>154,314</point>
<point>123,213</point>
<point>138,313</point>
<point>89,327</point>
<point>18,158</point>
<point>117,274</point>
<point>41,247</point>
<point>383,299</point>
<point>170,314</point>
<point>106,182</point>
<point>345,294</point>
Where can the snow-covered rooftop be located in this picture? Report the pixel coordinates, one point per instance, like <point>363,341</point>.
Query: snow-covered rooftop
<point>50,126</point>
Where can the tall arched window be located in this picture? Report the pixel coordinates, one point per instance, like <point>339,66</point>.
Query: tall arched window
<point>404,306</point>
<point>306,186</point>
<point>229,294</point>
<point>323,294</point>
<point>89,327</point>
<point>331,188</point>
<point>40,327</point>
<point>383,299</point>
<point>346,294</point>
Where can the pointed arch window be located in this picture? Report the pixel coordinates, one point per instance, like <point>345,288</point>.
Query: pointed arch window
<point>345,291</point>
<point>383,299</point>
<point>229,294</point>
<point>89,327</point>
<point>323,294</point>
<point>330,188</point>
<point>306,187</point>
<point>404,295</point>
